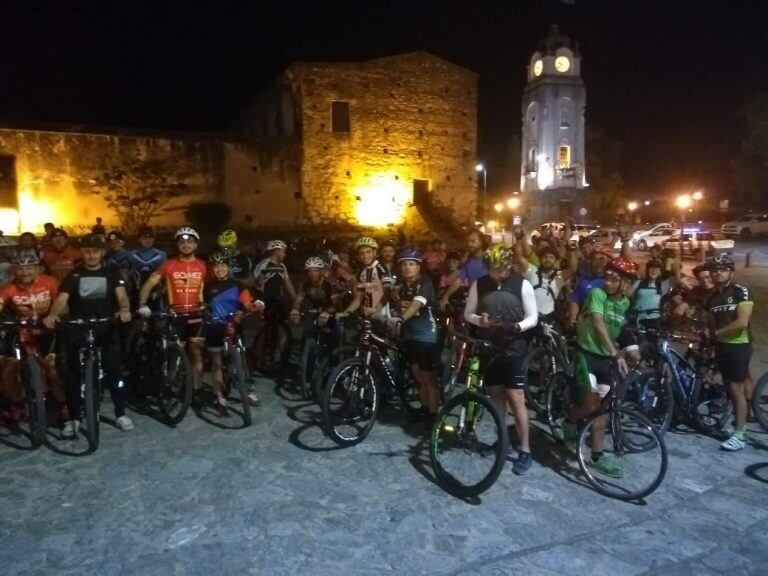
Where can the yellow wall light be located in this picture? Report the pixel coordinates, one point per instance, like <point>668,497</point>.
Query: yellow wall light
<point>382,201</point>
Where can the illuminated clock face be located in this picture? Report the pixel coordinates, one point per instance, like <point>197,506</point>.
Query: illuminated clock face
<point>562,64</point>
<point>538,68</point>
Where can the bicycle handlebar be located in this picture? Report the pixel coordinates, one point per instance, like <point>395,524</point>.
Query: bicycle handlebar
<point>87,321</point>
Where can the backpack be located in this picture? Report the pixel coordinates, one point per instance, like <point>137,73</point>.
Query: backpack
<point>548,286</point>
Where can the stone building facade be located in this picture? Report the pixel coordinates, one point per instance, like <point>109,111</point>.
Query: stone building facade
<point>553,178</point>
<point>387,142</point>
<point>383,142</point>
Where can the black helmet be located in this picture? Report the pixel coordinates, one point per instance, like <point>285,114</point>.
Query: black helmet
<point>654,263</point>
<point>92,241</point>
<point>724,261</point>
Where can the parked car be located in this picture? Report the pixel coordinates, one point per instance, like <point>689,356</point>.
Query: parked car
<point>608,237</point>
<point>694,240</point>
<point>641,239</point>
<point>746,226</point>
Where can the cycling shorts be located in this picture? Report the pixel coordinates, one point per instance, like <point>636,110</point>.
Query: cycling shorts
<point>190,329</point>
<point>733,361</point>
<point>423,354</point>
<point>214,337</point>
<point>593,373</point>
<point>507,371</point>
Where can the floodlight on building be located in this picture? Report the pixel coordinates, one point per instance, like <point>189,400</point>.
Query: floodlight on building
<point>632,206</point>
<point>382,201</point>
<point>498,207</point>
<point>698,195</point>
<point>513,203</point>
<point>479,168</point>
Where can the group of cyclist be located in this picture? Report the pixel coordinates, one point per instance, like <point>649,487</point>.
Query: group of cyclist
<point>499,291</point>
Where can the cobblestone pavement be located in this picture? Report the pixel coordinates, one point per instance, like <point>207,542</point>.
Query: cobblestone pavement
<point>278,498</point>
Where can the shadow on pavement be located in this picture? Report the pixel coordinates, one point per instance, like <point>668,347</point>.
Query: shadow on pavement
<point>758,472</point>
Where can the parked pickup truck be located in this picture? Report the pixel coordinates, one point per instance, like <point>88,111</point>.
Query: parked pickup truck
<point>713,245</point>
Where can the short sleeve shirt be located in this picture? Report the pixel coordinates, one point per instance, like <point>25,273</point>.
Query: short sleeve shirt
<point>421,327</point>
<point>92,292</point>
<point>59,264</point>
<point>33,301</point>
<point>185,281</point>
<point>613,312</point>
<point>584,286</point>
<point>722,308</point>
<point>371,283</point>
<point>472,270</point>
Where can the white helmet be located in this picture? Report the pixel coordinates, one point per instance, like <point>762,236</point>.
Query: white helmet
<point>314,262</point>
<point>186,231</point>
<point>276,245</point>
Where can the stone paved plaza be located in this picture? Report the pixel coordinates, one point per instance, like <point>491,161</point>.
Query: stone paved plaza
<point>279,498</point>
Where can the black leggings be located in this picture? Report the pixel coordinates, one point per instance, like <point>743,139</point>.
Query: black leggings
<point>108,338</point>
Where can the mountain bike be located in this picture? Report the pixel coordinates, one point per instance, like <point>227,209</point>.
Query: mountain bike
<point>235,366</point>
<point>91,378</point>
<point>30,379</point>
<point>161,366</point>
<point>548,356</point>
<point>354,391</point>
<point>760,401</point>
<point>272,344</point>
<point>468,443</point>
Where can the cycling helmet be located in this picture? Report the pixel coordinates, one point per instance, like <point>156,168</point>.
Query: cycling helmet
<point>453,255</point>
<point>27,258</point>
<point>548,250</point>
<point>408,254</point>
<point>314,262</point>
<point>623,267</point>
<point>723,261</point>
<point>276,245</point>
<point>188,232</point>
<point>146,232</point>
<point>5,242</point>
<point>227,239</point>
<point>703,267</point>
<point>600,249</point>
<point>219,257</point>
<point>388,243</point>
<point>366,241</point>
<point>92,241</point>
<point>497,256</point>
<point>654,263</point>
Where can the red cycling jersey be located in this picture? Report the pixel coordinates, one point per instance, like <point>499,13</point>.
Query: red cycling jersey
<point>184,282</point>
<point>33,301</point>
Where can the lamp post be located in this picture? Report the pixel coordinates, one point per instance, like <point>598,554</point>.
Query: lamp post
<point>683,202</point>
<point>480,169</point>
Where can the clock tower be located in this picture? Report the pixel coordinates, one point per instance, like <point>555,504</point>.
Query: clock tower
<point>553,178</point>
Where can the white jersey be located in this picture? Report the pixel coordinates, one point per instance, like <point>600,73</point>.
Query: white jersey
<point>546,287</point>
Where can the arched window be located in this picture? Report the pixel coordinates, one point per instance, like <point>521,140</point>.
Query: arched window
<point>532,163</point>
<point>564,118</point>
<point>564,156</point>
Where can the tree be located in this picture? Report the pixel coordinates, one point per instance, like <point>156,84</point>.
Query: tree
<point>606,185</point>
<point>750,167</point>
<point>138,189</point>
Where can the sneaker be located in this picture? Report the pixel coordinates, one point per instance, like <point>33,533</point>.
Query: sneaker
<point>522,464</point>
<point>253,399</point>
<point>70,429</point>
<point>733,443</point>
<point>124,423</point>
<point>607,466</point>
<point>221,407</point>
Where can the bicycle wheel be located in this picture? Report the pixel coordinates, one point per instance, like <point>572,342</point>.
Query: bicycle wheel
<point>712,408</point>
<point>307,366</point>
<point>237,380</point>
<point>650,394</point>
<point>619,471</point>
<point>559,402</point>
<point>272,356</point>
<point>176,384</point>
<point>324,368</point>
<point>350,403</point>
<point>538,369</point>
<point>34,396</point>
<point>760,401</point>
<point>91,401</point>
<point>468,445</point>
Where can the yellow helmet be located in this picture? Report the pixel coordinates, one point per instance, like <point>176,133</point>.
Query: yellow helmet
<point>227,239</point>
<point>497,256</point>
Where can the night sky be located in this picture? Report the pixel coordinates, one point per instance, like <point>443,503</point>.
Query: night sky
<point>665,77</point>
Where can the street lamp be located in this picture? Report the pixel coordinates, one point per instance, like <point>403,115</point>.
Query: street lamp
<point>498,207</point>
<point>513,203</point>
<point>480,168</point>
<point>698,195</point>
<point>632,206</point>
<point>683,202</point>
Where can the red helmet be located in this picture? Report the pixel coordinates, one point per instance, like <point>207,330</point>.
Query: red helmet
<point>623,267</point>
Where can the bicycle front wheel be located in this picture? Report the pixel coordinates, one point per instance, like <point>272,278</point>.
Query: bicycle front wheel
<point>760,401</point>
<point>350,403</point>
<point>91,402</point>
<point>538,368</point>
<point>609,460</point>
<point>307,366</point>
<point>238,381</point>
<point>176,385</point>
<point>559,402</point>
<point>468,445</point>
<point>34,396</point>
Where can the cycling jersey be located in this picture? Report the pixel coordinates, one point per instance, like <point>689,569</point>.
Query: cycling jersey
<point>239,266</point>
<point>32,301</point>
<point>61,263</point>
<point>271,277</point>
<point>318,296</point>
<point>647,298</point>
<point>224,297</point>
<point>184,282</point>
<point>120,259</point>
<point>722,307</point>
<point>144,261</point>
<point>371,283</point>
<point>421,327</point>
<point>613,311</point>
<point>472,269</point>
